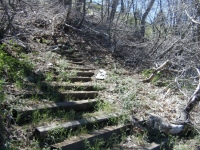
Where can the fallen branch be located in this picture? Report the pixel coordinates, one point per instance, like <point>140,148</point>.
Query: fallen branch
<point>166,63</point>
<point>156,122</point>
<point>179,87</point>
<point>193,101</point>
<point>73,27</point>
<point>168,49</point>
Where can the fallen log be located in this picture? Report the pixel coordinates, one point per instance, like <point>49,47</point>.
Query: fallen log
<point>157,122</point>
<point>166,63</point>
<point>193,101</point>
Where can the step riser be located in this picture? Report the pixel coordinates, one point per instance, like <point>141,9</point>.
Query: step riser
<point>102,134</point>
<point>44,130</point>
<point>72,56</point>
<point>85,74</point>
<point>75,59</point>
<point>80,74</point>
<point>26,113</point>
<point>67,52</point>
<point>63,52</point>
<point>77,88</point>
<point>78,63</point>
<point>63,96</point>
<point>82,69</point>
<point>80,79</point>
<point>71,79</point>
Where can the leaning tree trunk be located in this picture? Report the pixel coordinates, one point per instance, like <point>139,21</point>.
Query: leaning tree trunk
<point>162,124</point>
<point>113,11</point>
<point>122,6</point>
<point>70,8</point>
<point>84,12</point>
<point>79,5</point>
<point>144,16</point>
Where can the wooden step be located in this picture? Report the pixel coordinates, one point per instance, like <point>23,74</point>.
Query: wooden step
<point>85,74</point>
<point>61,96</point>
<point>42,131</point>
<point>77,63</point>
<point>80,79</point>
<point>66,86</point>
<point>69,79</point>
<point>73,55</point>
<point>66,52</point>
<point>79,68</point>
<point>75,59</point>
<point>77,73</point>
<point>78,143</point>
<point>25,112</point>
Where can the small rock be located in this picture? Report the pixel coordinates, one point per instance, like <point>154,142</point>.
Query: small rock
<point>53,47</point>
<point>60,45</point>
<point>57,49</point>
<point>49,64</point>
<point>64,47</point>
<point>38,72</point>
<point>101,75</point>
<point>30,79</point>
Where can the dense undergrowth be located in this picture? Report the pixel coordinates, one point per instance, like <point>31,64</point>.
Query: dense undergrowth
<point>12,69</point>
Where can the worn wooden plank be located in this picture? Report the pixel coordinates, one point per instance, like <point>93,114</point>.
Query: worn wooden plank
<point>80,94</point>
<point>71,79</point>
<point>25,112</point>
<point>43,130</point>
<point>73,55</point>
<point>61,96</point>
<point>79,68</point>
<point>77,63</point>
<point>66,86</point>
<point>85,74</point>
<point>80,79</point>
<point>75,59</point>
<point>78,143</point>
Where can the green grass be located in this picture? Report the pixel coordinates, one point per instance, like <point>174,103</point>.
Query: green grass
<point>48,115</point>
<point>65,76</point>
<point>2,95</point>
<point>101,144</point>
<point>11,68</point>
<point>147,73</point>
<point>49,77</point>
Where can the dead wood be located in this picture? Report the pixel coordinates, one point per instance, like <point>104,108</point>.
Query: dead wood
<point>158,123</point>
<point>168,49</point>
<point>166,63</point>
<point>193,101</point>
<point>161,124</point>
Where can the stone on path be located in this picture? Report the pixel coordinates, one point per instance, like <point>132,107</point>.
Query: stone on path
<point>101,75</point>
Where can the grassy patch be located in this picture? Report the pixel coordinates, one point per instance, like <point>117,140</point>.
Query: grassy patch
<point>147,73</point>
<point>12,69</point>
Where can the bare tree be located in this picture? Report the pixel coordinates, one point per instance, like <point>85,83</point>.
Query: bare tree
<point>113,11</point>
<point>83,15</point>
<point>144,16</point>
<point>122,6</point>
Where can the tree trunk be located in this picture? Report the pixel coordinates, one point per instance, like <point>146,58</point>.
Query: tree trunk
<point>79,5</point>
<point>122,6</point>
<point>144,16</point>
<point>84,12</point>
<point>102,11</point>
<point>198,16</point>
<point>113,11</point>
<point>69,9</point>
